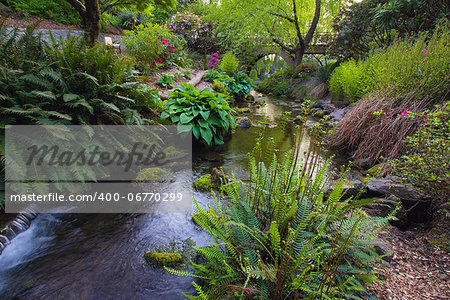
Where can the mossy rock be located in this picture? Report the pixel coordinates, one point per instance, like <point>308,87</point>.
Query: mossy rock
<point>152,175</point>
<point>243,110</point>
<point>171,151</point>
<point>204,183</point>
<point>158,259</point>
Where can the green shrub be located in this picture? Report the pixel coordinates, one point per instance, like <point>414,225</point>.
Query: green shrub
<point>129,19</point>
<point>207,113</point>
<point>56,10</point>
<point>153,47</point>
<point>66,84</point>
<point>421,65</point>
<point>426,163</point>
<point>240,86</point>
<point>253,74</point>
<point>218,75</point>
<point>229,63</point>
<point>276,237</point>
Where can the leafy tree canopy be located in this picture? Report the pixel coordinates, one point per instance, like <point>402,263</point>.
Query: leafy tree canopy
<point>287,25</point>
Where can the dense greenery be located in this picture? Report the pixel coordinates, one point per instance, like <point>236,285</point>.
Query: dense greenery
<point>238,85</point>
<point>154,46</point>
<point>421,65</point>
<point>208,113</point>
<point>66,83</point>
<point>279,237</point>
<point>57,10</point>
<point>371,24</point>
<point>426,163</point>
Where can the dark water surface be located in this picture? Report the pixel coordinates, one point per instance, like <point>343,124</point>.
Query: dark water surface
<point>100,256</point>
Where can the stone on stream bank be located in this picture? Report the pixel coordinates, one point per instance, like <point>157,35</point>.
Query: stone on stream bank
<point>415,207</point>
<point>214,180</point>
<point>175,254</point>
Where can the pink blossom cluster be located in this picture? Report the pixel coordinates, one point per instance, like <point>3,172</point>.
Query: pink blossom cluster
<point>214,59</point>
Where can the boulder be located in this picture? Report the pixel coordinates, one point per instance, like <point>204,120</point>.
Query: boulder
<point>245,122</point>
<point>339,114</point>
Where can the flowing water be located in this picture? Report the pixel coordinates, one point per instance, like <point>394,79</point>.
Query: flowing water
<point>100,256</point>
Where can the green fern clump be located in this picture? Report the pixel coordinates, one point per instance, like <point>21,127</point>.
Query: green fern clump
<point>229,63</point>
<point>279,237</point>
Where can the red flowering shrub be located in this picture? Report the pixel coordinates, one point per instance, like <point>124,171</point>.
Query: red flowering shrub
<point>153,47</point>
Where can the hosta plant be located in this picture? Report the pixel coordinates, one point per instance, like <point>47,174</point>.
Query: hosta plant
<point>208,113</point>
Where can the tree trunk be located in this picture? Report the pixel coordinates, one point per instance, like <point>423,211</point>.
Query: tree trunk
<point>91,22</point>
<point>298,57</point>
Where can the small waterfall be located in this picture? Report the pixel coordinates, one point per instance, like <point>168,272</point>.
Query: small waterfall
<point>20,223</point>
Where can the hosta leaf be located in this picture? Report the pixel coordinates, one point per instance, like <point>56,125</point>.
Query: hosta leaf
<point>206,135</point>
<point>205,114</point>
<point>185,119</point>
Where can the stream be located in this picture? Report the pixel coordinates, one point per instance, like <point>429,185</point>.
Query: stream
<point>100,256</point>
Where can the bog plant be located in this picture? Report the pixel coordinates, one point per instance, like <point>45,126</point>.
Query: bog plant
<point>279,237</point>
<point>154,47</point>
<point>208,113</point>
<point>421,65</point>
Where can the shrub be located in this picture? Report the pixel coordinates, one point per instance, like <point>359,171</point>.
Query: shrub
<point>198,33</point>
<point>66,84</point>
<point>208,113</point>
<point>426,162</point>
<point>129,19</point>
<point>229,63</point>
<point>276,237</point>
<point>240,85</point>
<point>154,47</point>
<point>403,66</point>
<point>56,10</point>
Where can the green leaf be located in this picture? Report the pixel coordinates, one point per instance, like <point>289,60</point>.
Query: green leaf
<point>164,115</point>
<point>196,131</point>
<point>185,119</point>
<point>205,114</point>
<point>203,123</point>
<point>70,97</point>
<point>206,135</point>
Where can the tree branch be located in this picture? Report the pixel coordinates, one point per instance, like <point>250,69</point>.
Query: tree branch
<point>297,26</point>
<point>314,23</point>
<point>281,16</point>
<point>78,5</point>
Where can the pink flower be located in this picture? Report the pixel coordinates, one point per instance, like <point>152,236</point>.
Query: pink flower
<point>165,42</point>
<point>386,114</point>
<point>425,51</point>
<point>404,113</point>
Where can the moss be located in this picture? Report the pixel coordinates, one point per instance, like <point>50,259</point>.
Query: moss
<point>376,170</point>
<point>204,183</point>
<point>243,110</point>
<point>158,259</point>
<point>151,175</point>
<point>171,151</point>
